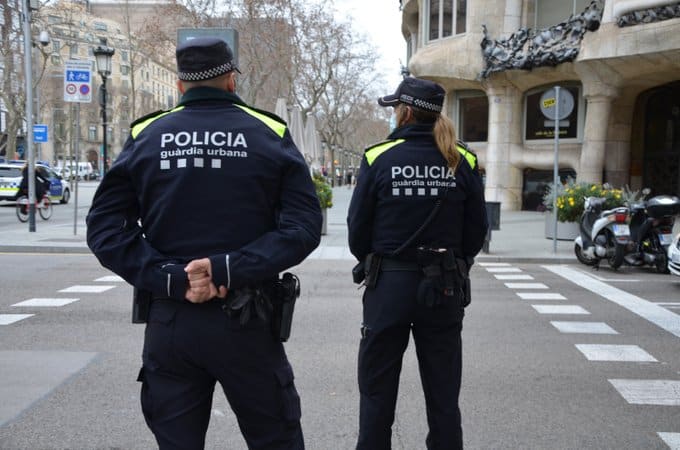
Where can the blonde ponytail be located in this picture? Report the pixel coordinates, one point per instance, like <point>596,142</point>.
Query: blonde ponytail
<point>445,137</point>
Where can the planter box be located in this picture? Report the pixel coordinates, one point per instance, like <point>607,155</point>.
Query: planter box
<point>566,231</point>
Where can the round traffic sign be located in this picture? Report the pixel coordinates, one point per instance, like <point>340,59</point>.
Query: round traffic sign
<point>548,101</point>
<point>84,89</point>
<point>71,88</point>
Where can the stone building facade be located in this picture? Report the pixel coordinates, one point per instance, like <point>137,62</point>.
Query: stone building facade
<point>150,78</point>
<point>619,60</point>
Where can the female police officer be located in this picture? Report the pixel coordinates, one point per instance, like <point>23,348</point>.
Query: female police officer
<point>417,217</point>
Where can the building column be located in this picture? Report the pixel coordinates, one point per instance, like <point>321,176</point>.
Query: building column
<point>595,138</point>
<point>503,180</point>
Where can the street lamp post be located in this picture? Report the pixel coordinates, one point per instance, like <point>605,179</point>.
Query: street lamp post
<point>103,55</point>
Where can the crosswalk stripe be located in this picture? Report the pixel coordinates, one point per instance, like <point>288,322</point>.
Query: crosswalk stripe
<point>526,286</point>
<point>560,309</point>
<point>7,319</point>
<point>649,392</point>
<point>503,270</point>
<point>110,279</point>
<point>46,302</point>
<point>494,264</point>
<point>671,439</point>
<point>627,353</point>
<point>540,296</point>
<point>514,277</point>
<point>584,327</point>
<point>87,289</point>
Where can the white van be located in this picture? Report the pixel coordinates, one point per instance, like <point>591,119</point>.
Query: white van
<point>84,171</point>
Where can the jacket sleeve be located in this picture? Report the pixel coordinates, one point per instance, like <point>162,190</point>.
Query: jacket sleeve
<point>361,212</point>
<point>475,224</point>
<point>297,235</point>
<point>117,240</point>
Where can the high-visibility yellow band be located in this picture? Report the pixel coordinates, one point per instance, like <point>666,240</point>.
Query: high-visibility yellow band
<point>378,150</point>
<point>278,127</point>
<point>141,125</point>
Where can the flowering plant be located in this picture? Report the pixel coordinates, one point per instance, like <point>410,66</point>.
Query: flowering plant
<point>571,197</point>
<point>323,191</point>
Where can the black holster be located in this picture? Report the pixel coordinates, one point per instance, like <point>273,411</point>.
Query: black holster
<point>446,277</point>
<point>286,292</point>
<point>367,270</point>
<point>141,305</point>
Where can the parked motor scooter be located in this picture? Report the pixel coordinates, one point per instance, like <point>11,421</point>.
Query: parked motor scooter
<point>651,231</point>
<point>603,234</point>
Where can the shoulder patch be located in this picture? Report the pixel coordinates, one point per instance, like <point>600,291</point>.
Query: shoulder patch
<point>139,124</point>
<point>277,124</point>
<point>376,150</point>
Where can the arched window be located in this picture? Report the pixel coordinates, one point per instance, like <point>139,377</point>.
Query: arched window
<point>444,18</point>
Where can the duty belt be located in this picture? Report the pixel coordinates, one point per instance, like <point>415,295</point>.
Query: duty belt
<point>398,265</point>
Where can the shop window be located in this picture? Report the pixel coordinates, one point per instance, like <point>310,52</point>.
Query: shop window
<point>445,18</point>
<point>473,116</point>
<point>552,12</point>
<point>536,124</point>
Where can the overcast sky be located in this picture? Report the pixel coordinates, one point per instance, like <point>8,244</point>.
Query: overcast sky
<point>380,20</point>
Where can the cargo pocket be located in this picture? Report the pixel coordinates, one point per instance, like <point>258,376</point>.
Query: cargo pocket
<point>290,400</point>
<point>158,335</point>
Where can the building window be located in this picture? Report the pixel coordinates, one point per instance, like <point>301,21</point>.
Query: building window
<point>92,133</point>
<point>552,12</point>
<point>124,56</point>
<point>124,70</point>
<point>473,116</point>
<point>56,46</point>
<point>445,18</point>
<point>73,50</point>
<point>536,124</point>
<point>99,26</point>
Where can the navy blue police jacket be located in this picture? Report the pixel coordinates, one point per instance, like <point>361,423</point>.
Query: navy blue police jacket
<point>399,183</point>
<point>213,178</point>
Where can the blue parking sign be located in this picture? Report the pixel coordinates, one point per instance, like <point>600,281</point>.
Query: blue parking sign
<point>39,133</point>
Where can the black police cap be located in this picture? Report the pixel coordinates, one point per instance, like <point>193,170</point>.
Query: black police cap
<point>204,58</point>
<point>422,94</point>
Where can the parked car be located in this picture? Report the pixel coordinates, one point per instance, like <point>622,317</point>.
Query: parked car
<point>674,256</point>
<point>10,178</point>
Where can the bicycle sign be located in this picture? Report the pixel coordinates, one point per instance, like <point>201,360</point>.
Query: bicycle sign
<point>77,81</point>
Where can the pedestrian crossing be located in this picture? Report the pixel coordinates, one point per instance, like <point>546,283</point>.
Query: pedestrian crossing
<point>652,392</point>
<point>56,302</point>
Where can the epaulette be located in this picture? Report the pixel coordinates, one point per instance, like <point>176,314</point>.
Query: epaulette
<point>465,146</point>
<point>270,114</point>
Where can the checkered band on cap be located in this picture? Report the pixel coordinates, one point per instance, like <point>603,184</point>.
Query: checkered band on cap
<point>207,74</point>
<point>419,103</point>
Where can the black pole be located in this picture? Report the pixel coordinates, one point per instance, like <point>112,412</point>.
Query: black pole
<point>104,165</point>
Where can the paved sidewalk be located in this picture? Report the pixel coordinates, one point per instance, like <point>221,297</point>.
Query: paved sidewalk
<point>521,237</point>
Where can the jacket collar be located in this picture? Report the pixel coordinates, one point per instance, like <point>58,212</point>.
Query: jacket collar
<point>204,94</point>
<point>418,130</point>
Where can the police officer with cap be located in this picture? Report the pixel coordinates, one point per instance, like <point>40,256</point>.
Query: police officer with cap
<point>417,218</point>
<point>205,206</point>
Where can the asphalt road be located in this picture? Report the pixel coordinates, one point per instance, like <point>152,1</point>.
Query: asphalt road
<point>67,373</point>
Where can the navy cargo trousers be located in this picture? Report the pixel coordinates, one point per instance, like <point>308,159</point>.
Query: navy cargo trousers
<point>391,314</point>
<point>188,348</point>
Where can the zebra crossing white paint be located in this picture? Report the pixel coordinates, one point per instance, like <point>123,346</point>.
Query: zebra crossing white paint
<point>649,392</point>
<point>48,302</point>
<point>503,270</point>
<point>526,286</point>
<point>87,289</point>
<point>540,296</point>
<point>627,353</point>
<point>560,309</point>
<point>494,264</point>
<point>8,319</point>
<point>671,439</point>
<point>110,279</point>
<point>514,277</point>
<point>584,327</point>
<point>650,311</point>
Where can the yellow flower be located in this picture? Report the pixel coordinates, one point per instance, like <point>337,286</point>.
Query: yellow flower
<point>571,201</point>
<point>593,188</point>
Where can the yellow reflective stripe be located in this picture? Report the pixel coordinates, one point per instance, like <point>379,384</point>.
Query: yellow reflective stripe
<point>141,125</point>
<point>468,156</point>
<point>378,150</point>
<point>278,127</point>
